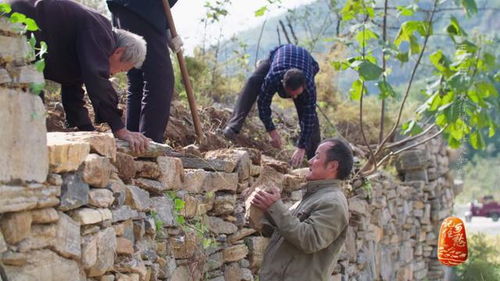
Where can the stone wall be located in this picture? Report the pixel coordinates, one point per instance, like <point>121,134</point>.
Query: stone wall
<point>81,206</point>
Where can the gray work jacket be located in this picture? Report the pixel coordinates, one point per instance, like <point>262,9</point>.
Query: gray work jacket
<point>307,238</point>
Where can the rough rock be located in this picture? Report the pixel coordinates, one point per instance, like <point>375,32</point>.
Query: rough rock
<point>90,216</point>
<point>153,186</point>
<point>232,272</point>
<point>16,226</point>
<point>240,157</point>
<point>101,143</point>
<point>183,247</point>
<point>101,198</point>
<point>68,238</point>
<point>208,164</point>
<point>44,265</point>
<point>137,198</point>
<point>197,181</point>
<point>257,247</point>
<point>147,169</point>
<point>235,253</point>
<point>218,226</point>
<point>40,236</point>
<point>96,170</point>
<point>104,258</point>
<point>154,149</point>
<point>124,246</point>
<point>162,206</point>
<point>224,204</point>
<point>23,131</point>
<point>172,172</point>
<point>240,234</point>
<point>124,213</point>
<point>74,192</point>
<point>126,166</point>
<point>279,166</point>
<point>65,155</point>
<point>46,215</point>
<point>17,198</point>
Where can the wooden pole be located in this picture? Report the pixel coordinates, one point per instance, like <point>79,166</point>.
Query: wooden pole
<point>185,74</point>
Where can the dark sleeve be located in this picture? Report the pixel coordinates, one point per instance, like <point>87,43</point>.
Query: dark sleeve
<point>267,91</point>
<point>94,45</point>
<point>306,110</point>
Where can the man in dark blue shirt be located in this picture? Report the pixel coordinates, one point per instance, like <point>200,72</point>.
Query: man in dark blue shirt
<point>289,71</point>
<point>151,87</point>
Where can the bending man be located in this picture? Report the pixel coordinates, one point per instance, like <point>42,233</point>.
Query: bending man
<point>85,50</point>
<point>290,72</point>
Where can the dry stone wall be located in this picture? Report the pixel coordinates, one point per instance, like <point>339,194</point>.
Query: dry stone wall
<point>81,206</point>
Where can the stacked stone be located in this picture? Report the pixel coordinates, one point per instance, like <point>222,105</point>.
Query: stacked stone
<point>393,234</point>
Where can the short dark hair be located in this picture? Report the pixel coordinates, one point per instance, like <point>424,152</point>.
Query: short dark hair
<point>293,79</point>
<point>341,152</point>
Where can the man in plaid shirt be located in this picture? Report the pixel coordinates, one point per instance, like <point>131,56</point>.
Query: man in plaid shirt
<point>289,71</point>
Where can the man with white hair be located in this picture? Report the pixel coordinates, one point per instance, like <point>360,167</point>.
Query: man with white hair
<point>84,49</point>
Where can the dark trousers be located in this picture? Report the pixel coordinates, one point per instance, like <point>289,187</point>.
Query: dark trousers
<point>248,97</point>
<point>73,102</point>
<point>151,87</point>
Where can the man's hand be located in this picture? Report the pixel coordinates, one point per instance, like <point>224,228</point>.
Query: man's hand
<point>137,141</point>
<point>298,157</point>
<point>175,44</point>
<point>275,139</point>
<point>264,199</point>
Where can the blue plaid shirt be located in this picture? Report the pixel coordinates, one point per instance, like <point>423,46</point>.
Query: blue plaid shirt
<point>283,58</point>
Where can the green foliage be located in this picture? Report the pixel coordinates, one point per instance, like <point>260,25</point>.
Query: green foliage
<point>482,263</point>
<point>36,51</point>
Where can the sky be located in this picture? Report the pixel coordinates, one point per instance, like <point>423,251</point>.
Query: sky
<point>188,14</point>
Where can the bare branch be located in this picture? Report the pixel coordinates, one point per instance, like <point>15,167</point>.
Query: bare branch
<point>384,38</point>
<point>284,31</point>
<point>258,42</point>
<point>401,142</point>
<point>410,147</point>
<point>292,31</point>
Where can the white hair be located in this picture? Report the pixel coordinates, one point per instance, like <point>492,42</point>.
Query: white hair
<point>135,46</point>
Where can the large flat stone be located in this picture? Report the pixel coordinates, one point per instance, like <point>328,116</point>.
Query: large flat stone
<point>208,164</point>
<point>74,192</point>
<point>219,226</point>
<point>23,131</point>
<point>147,169</point>
<point>47,215</point>
<point>412,160</point>
<point>101,143</point>
<point>153,186</point>
<point>44,265</point>
<point>65,155</point>
<point>197,181</point>
<point>124,213</point>
<point>240,158</point>
<point>18,198</point>
<point>154,149</point>
<point>91,216</point>
<point>257,247</point>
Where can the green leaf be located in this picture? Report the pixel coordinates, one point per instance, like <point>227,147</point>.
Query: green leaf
<point>441,62</point>
<point>17,17</point>
<point>408,29</point>
<point>414,46</point>
<point>179,204</point>
<point>486,89</point>
<point>180,220</point>
<point>491,129</point>
<point>476,140</point>
<point>470,6</point>
<point>496,77</point>
<point>407,11</point>
<point>43,48</point>
<point>369,71</point>
<point>412,128</point>
<point>30,24</point>
<point>261,11</point>
<point>441,120</point>
<point>402,57</point>
<point>36,88</point>
<point>40,65</point>
<point>454,28</point>
<point>356,90</point>
<point>5,8</point>
<point>386,90</point>
<point>365,35</point>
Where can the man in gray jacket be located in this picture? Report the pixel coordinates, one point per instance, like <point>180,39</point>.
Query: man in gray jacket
<point>307,238</point>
